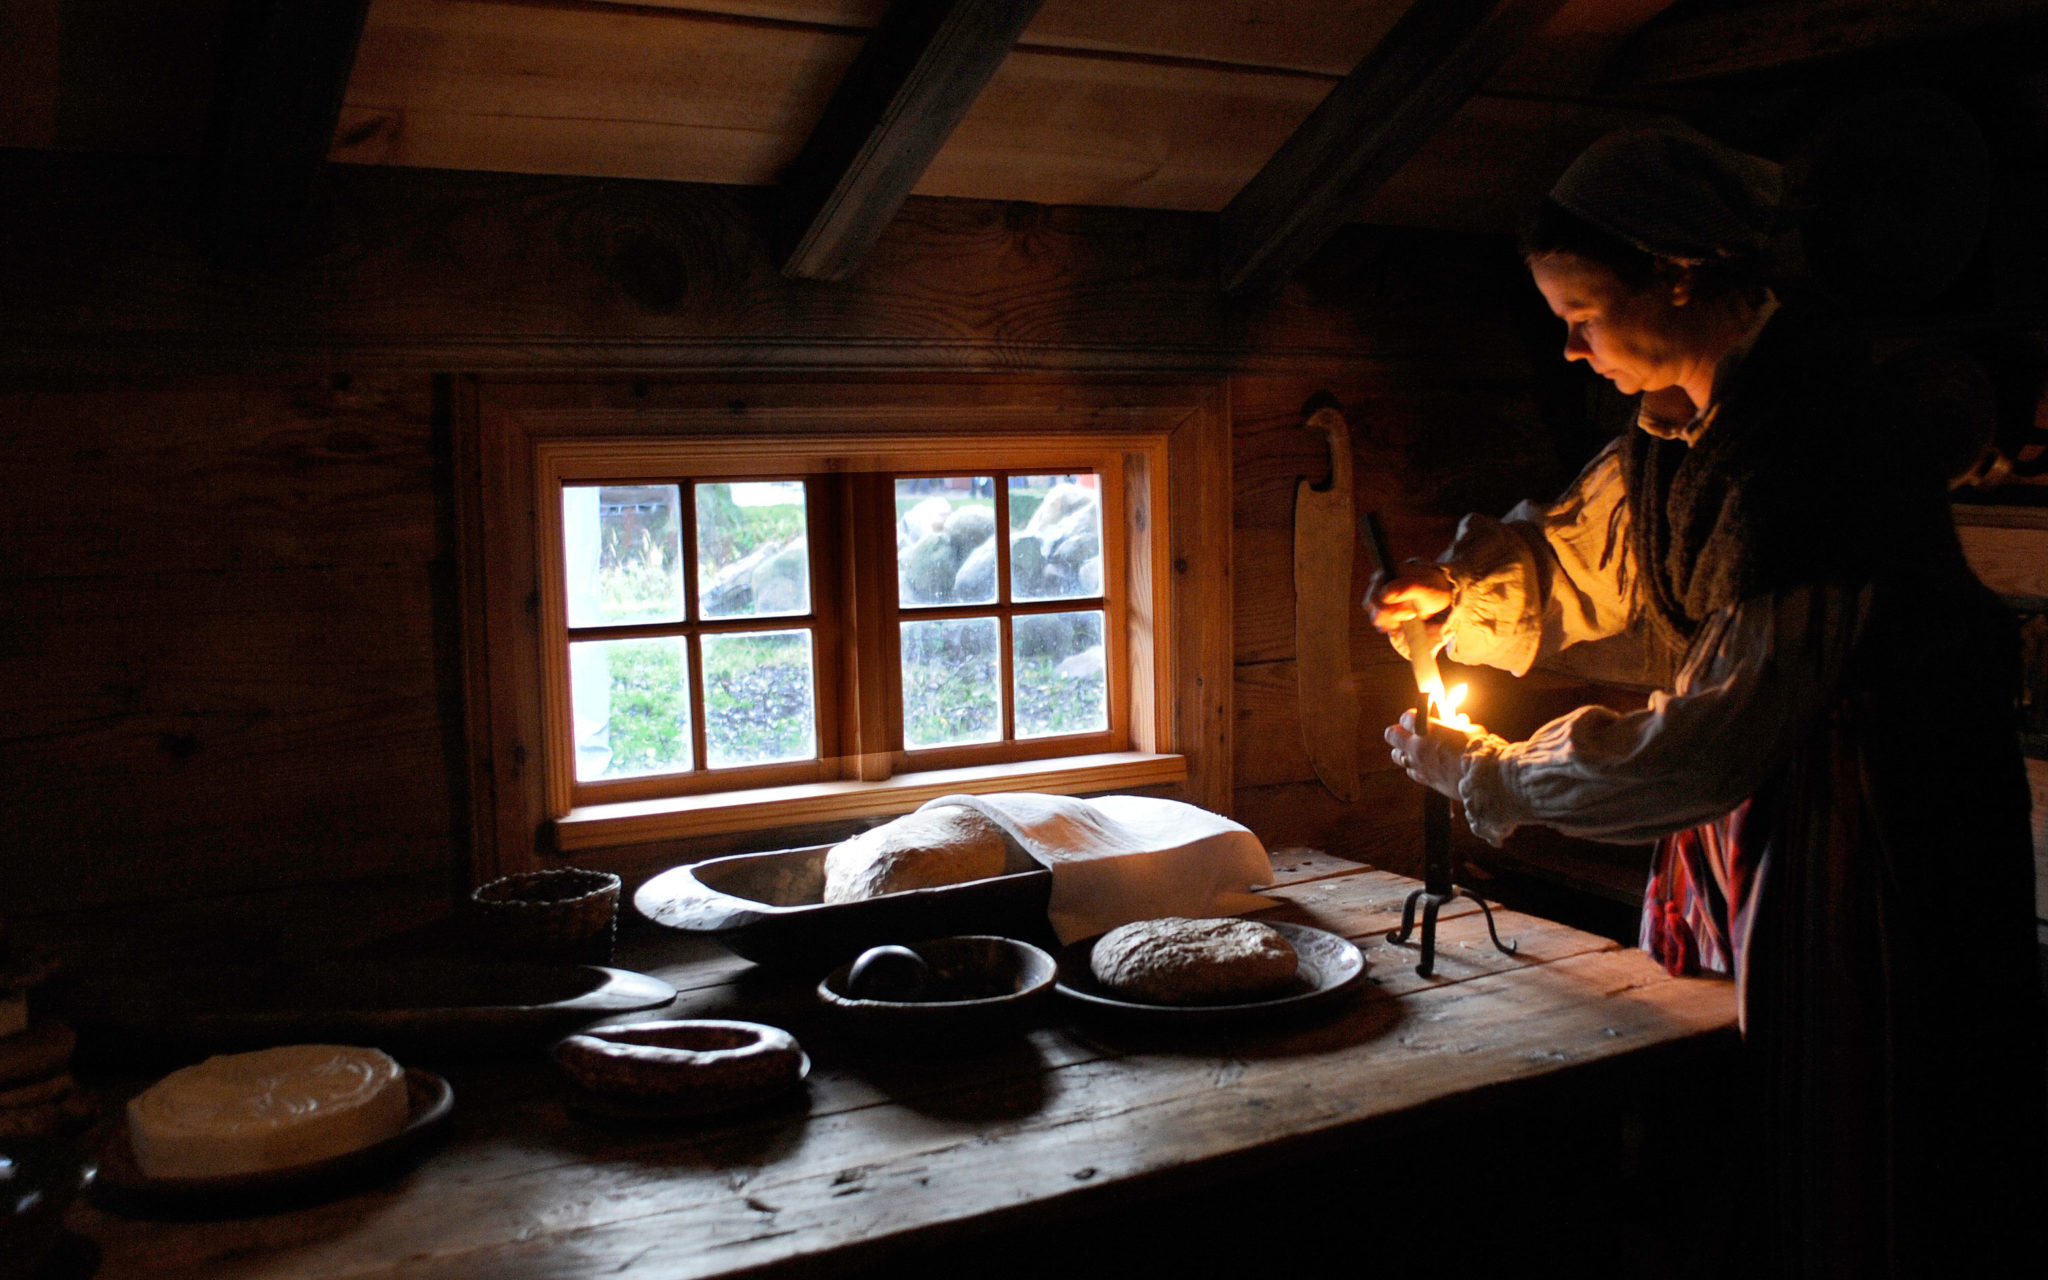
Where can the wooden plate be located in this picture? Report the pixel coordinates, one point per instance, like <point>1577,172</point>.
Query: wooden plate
<point>1329,966</point>
<point>442,1006</point>
<point>429,1098</point>
<point>598,1107</point>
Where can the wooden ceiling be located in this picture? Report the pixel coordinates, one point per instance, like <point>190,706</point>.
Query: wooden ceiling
<point>1171,104</point>
<point>1138,102</point>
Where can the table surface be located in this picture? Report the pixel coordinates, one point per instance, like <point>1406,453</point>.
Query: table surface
<point>890,1149</point>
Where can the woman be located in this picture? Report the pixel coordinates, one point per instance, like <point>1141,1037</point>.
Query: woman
<point>1834,779</point>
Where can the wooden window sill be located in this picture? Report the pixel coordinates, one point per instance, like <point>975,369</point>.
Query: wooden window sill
<point>639,821</point>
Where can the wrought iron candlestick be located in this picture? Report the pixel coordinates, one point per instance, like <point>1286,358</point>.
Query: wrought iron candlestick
<point>1439,880</point>
<point>1438,877</point>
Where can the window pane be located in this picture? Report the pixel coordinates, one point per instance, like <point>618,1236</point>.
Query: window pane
<point>759,698</point>
<point>1055,537</point>
<point>753,559</point>
<point>952,687</point>
<point>1061,687</point>
<point>630,702</point>
<point>622,549</point>
<point>945,540</point>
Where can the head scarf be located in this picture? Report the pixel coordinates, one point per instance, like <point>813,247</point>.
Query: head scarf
<point>1674,195</point>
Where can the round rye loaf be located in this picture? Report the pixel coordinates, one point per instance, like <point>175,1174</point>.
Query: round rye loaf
<point>1175,960</point>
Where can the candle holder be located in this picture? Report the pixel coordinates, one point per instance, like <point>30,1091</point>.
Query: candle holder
<point>1438,876</point>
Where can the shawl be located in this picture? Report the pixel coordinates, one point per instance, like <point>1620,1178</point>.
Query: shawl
<point>1798,481</point>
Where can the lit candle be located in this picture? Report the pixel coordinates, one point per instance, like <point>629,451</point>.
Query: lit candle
<point>1436,823</point>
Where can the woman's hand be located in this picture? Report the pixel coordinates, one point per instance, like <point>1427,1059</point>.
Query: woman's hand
<point>1436,760</point>
<point>1420,590</point>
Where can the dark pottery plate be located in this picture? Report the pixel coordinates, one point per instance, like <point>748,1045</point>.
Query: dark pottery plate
<point>770,908</point>
<point>596,1106</point>
<point>38,1179</point>
<point>977,983</point>
<point>1329,966</point>
<point>429,1098</point>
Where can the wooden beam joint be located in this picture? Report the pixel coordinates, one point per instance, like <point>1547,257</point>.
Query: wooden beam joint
<point>914,81</point>
<point>1397,97</point>
<point>285,65</point>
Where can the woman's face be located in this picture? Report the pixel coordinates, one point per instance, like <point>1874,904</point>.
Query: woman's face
<point>1635,338</point>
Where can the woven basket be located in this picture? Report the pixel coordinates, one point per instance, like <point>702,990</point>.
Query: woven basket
<point>564,915</point>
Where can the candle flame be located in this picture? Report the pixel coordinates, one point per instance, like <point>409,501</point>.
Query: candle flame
<point>1446,706</point>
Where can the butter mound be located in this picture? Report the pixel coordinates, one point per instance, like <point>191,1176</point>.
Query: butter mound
<point>265,1111</point>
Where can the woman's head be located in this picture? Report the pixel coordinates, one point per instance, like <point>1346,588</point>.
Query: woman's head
<point>1651,249</point>
<point>1635,331</point>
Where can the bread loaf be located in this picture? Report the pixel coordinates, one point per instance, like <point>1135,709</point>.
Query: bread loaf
<point>948,844</point>
<point>702,1060</point>
<point>1175,960</point>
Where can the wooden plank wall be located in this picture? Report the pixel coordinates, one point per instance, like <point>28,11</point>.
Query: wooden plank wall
<point>221,618</point>
<point>233,720</point>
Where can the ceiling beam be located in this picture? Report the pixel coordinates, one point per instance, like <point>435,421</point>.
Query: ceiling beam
<point>1769,37</point>
<point>1399,94</point>
<point>284,68</point>
<point>914,80</point>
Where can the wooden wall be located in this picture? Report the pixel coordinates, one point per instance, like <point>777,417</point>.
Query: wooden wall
<point>233,715</point>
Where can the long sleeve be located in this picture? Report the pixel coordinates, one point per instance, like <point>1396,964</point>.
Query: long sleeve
<point>1544,577</point>
<point>1759,675</point>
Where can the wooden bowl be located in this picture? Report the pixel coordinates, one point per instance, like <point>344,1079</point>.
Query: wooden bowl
<point>977,982</point>
<point>770,908</point>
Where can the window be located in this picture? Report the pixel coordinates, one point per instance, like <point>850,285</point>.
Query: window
<point>834,618</point>
<point>703,636</point>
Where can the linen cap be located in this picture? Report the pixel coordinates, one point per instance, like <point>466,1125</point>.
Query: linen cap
<point>1674,195</point>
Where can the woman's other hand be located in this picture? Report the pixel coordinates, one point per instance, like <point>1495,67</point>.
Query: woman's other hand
<point>1436,760</point>
<point>1420,590</point>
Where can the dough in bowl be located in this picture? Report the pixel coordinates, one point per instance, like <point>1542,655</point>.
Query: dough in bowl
<point>949,844</point>
<point>1175,960</point>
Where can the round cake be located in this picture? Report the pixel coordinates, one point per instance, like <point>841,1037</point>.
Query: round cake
<point>265,1111</point>
<point>1175,960</point>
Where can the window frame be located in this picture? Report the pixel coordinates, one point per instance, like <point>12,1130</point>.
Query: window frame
<point>863,465</point>
<point>518,438</point>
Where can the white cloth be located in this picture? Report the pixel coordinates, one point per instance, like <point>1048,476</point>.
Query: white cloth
<point>1115,859</point>
<point>1547,578</point>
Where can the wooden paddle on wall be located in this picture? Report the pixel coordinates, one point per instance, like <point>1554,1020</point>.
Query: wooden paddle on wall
<point>1324,524</point>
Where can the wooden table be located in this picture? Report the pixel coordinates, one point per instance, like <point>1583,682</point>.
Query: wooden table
<point>891,1152</point>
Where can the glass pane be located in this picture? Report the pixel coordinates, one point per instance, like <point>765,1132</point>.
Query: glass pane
<point>952,687</point>
<point>945,540</point>
<point>1055,537</point>
<point>753,559</point>
<point>1061,687</point>
<point>622,550</point>
<point>630,701</point>
<point>760,701</point>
